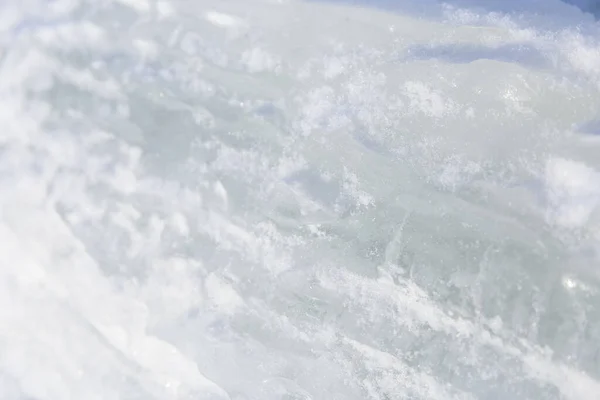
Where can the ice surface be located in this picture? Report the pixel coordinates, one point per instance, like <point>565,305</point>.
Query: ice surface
<point>284,199</point>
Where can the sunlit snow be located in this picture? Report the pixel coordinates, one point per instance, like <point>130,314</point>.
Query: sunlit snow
<point>287,199</point>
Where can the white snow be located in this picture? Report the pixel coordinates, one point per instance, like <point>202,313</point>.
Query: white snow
<point>268,199</point>
<point>222,19</point>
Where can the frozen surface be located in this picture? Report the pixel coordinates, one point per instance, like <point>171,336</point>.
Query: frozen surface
<point>269,200</point>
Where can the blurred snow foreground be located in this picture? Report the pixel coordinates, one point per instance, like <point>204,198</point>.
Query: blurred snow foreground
<point>260,199</point>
